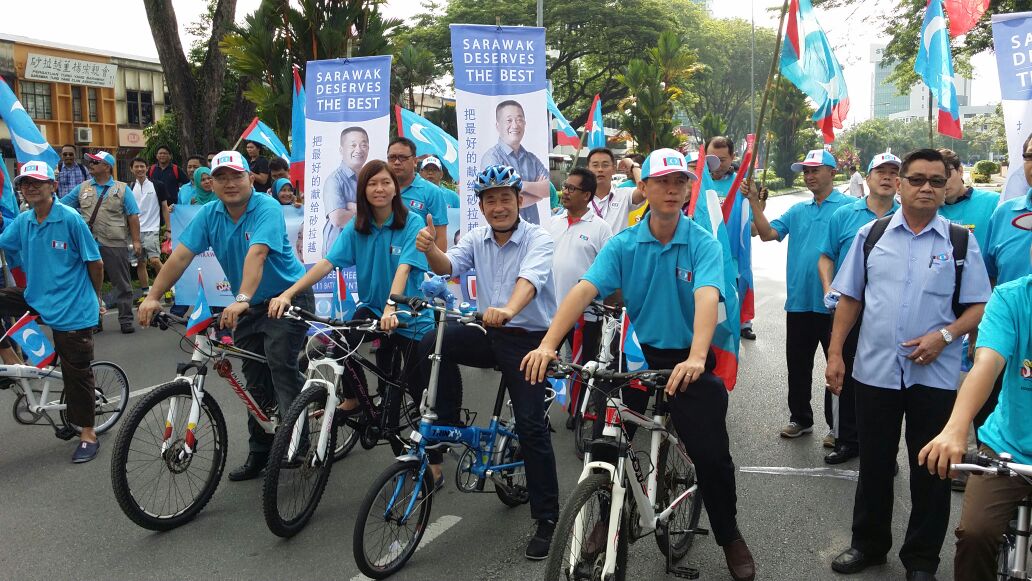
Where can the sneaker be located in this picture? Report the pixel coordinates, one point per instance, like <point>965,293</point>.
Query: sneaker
<point>537,549</point>
<point>794,430</point>
<point>829,441</point>
<point>439,483</point>
<point>85,452</point>
<point>748,334</point>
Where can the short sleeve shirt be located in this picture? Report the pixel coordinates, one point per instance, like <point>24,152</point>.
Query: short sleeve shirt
<point>128,201</point>
<point>577,244</point>
<point>1007,247</point>
<point>261,223</point>
<point>973,211</point>
<point>659,280</point>
<point>842,229</point>
<point>422,197</point>
<point>806,225</point>
<point>1006,328</point>
<point>615,208</point>
<point>260,165</point>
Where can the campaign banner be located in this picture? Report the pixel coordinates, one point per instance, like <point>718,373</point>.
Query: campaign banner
<point>501,103</point>
<point>347,122</point>
<point>216,286</point>
<point>1012,42</point>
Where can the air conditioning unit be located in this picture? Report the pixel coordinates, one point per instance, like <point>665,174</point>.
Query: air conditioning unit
<point>83,134</point>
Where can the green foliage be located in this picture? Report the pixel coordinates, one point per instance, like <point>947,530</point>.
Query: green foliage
<point>979,178</point>
<point>445,118</point>
<point>712,126</point>
<point>413,67</point>
<point>769,179</point>
<point>654,85</point>
<point>791,131</point>
<point>164,131</point>
<point>987,167</point>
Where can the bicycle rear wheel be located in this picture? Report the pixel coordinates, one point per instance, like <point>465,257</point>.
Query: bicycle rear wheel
<point>579,545</point>
<point>676,475</point>
<point>382,543</point>
<point>295,481</point>
<point>111,394</point>
<point>160,490</point>
<point>511,483</point>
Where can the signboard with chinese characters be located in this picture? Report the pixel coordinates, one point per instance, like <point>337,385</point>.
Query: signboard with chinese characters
<point>42,67</point>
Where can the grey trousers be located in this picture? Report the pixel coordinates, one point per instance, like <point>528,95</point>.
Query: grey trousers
<point>116,266</point>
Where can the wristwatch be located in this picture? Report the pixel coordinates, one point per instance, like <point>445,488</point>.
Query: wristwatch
<point>242,298</point>
<point>946,335</point>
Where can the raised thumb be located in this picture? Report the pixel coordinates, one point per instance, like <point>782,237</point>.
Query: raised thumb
<point>429,221</point>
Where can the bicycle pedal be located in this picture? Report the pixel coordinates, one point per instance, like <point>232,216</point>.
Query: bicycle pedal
<point>701,531</point>
<point>65,433</point>
<point>684,571</point>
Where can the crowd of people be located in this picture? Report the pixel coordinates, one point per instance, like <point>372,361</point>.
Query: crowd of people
<point>886,284</point>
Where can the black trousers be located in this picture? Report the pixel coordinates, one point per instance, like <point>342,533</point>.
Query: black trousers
<point>804,333</point>
<point>698,415</point>
<point>846,421</point>
<point>880,414</point>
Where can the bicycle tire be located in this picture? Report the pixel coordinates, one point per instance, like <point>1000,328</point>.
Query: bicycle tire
<point>565,544</point>
<point>282,478</point>
<point>211,434</point>
<point>386,486</point>
<point>514,493</point>
<point>111,391</point>
<point>676,473</point>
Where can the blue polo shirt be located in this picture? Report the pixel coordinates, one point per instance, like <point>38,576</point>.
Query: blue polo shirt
<point>973,211</point>
<point>842,229</point>
<point>261,223</point>
<point>806,224</point>
<point>422,197</point>
<point>1007,247</point>
<point>451,199</point>
<point>1006,328</point>
<point>54,255</point>
<point>659,280</point>
<point>376,257</point>
<point>129,204</point>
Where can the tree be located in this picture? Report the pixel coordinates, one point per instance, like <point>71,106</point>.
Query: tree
<point>194,91</point>
<point>413,67</point>
<point>792,133</point>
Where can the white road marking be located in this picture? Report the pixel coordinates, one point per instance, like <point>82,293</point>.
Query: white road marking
<point>434,530</point>
<point>840,473</point>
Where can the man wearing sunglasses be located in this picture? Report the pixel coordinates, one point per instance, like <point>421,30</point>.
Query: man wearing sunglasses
<point>907,363</point>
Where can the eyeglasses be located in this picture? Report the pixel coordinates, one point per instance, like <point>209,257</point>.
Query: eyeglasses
<point>225,178</point>
<point>918,181</point>
<point>92,162</point>
<point>397,158</point>
<point>568,187</point>
<point>1027,156</point>
<point>32,185</point>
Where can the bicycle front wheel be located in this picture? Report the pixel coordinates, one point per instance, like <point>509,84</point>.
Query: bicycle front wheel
<point>295,480</point>
<point>579,545</point>
<point>676,475</point>
<point>158,482</point>
<point>111,395</point>
<point>386,531</point>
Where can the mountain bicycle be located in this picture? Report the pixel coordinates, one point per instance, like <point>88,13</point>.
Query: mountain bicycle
<point>600,519</point>
<point>1013,560</point>
<point>300,463</point>
<point>394,513</point>
<point>171,451</point>
<point>588,404</point>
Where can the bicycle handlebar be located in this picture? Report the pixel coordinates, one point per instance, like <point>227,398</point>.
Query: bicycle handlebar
<point>419,304</point>
<point>650,377</point>
<point>600,309</point>
<point>979,463</point>
<point>355,324</point>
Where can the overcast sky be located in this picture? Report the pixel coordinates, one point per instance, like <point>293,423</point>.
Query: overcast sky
<point>122,26</point>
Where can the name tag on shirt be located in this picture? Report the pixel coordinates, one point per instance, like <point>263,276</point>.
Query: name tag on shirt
<point>583,237</point>
<point>59,245</point>
<point>614,204</point>
<point>395,250</point>
<point>416,204</point>
<point>684,275</point>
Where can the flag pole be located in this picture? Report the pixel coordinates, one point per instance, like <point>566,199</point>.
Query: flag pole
<point>931,129</point>
<point>770,80</point>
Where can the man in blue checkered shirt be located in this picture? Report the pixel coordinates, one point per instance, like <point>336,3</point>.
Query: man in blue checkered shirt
<point>70,172</point>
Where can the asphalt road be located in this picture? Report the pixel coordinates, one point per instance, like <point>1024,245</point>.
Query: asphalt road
<point>61,521</point>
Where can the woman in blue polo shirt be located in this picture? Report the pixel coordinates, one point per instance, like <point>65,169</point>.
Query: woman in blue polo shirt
<point>380,243</point>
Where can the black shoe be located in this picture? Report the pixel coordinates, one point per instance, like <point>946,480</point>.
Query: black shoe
<point>128,328</point>
<point>537,549</point>
<point>841,454</point>
<point>853,561</point>
<point>252,468</point>
<point>569,422</point>
<point>748,334</point>
<point>920,576</point>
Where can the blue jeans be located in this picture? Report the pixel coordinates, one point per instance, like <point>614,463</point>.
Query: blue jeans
<point>468,346</point>
<point>280,341</point>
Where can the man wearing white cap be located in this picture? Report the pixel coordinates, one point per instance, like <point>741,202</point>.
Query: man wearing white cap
<point>111,213</point>
<point>808,322</point>
<point>432,170</point>
<point>670,270</point>
<point>883,183</point>
<point>64,273</point>
<point>248,235</point>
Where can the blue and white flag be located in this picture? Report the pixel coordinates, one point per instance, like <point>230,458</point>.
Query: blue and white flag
<point>429,139</point>
<point>201,316</point>
<point>27,334</point>
<point>29,144</point>
<point>565,133</point>
<point>934,64</point>
<point>259,132</point>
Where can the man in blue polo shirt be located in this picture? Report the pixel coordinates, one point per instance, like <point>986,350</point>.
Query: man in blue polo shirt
<point>883,183</point>
<point>669,269</point>
<point>420,196</point>
<point>1006,247</point>
<point>970,207</point>
<point>64,272</point>
<point>808,321</point>
<point>249,237</point>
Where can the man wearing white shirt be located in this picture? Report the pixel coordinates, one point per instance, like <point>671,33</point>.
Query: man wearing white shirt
<point>153,210</point>
<point>611,203</point>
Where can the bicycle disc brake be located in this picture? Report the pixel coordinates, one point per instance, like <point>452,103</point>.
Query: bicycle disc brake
<point>465,478</point>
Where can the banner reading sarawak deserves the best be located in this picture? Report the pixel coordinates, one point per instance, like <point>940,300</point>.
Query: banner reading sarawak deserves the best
<point>1012,41</point>
<point>501,106</point>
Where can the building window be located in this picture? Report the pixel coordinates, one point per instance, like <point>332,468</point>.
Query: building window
<point>140,107</point>
<point>76,103</point>
<point>91,96</point>
<point>35,97</point>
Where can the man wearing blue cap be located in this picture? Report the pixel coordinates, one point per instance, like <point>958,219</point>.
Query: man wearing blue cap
<point>808,321</point>
<point>64,272</point>
<point>248,235</point>
<point>883,183</point>
<point>111,213</point>
<point>670,270</point>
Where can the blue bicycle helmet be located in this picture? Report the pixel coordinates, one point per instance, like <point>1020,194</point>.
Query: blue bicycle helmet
<point>496,176</point>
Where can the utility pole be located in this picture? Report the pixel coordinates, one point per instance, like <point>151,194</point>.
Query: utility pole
<point>752,65</point>
<point>540,13</point>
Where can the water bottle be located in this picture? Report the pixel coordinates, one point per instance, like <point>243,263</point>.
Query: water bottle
<point>965,360</point>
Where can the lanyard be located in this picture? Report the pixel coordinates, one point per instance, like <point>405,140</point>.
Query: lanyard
<point>605,205</point>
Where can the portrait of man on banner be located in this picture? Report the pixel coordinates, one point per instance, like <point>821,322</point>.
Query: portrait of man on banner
<point>511,124</point>
<point>340,199</point>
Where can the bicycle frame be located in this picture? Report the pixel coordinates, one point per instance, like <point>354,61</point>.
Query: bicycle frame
<point>25,376</point>
<point>610,328</point>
